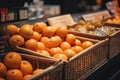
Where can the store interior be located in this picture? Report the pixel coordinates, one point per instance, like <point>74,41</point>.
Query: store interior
<point>43,9</point>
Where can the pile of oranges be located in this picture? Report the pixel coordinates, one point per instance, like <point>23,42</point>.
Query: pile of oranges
<point>13,67</point>
<point>47,40</point>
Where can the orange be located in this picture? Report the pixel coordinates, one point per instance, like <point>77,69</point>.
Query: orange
<point>41,46</point>
<point>31,44</point>
<point>59,40</point>
<point>3,69</point>
<point>69,53</point>
<point>1,78</point>
<point>17,40</point>
<point>27,76</point>
<point>12,29</point>
<point>14,74</point>
<point>65,45</point>
<point>26,31</point>
<point>12,60</point>
<point>77,42</point>
<point>77,49</point>
<point>54,42</point>
<point>60,56</point>
<point>36,36</point>
<point>71,39</point>
<point>62,31</point>
<point>56,50</point>
<point>46,42</point>
<point>39,26</point>
<point>36,71</point>
<point>26,67</point>
<point>86,44</point>
<point>48,31</point>
<point>44,52</point>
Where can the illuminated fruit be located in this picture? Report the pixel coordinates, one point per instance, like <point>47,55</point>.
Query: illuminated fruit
<point>65,45</point>
<point>77,49</point>
<point>44,52</point>
<point>14,74</point>
<point>36,71</point>
<point>86,44</point>
<point>41,46</point>
<point>12,60</point>
<point>12,29</point>
<point>69,53</point>
<point>71,39</point>
<point>3,69</point>
<point>62,31</point>
<point>36,36</point>
<point>26,67</point>
<point>39,27</point>
<point>48,32</point>
<point>26,31</point>
<point>31,44</point>
<point>56,50</point>
<point>27,76</point>
<point>46,42</point>
<point>60,56</point>
<point>17,40</point>
<point>77,42</point>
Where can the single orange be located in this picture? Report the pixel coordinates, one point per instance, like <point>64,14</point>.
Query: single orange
<point>60,56</point>
<point>31,44</point>
<point>69,53</point>
<point>36,71</point>
<point>3,69</point>
<point>86,44</point>
<point>71,38</point>
<point>41,46</point>
<point>27,76</point>
<point>39,26</point>
<point>12,60</point>
<point>46,42</point>
<point>17,40</point>
<point>36,36</point>
<point>77,49</point>
<point>56,50</point>
<point>26,67</point>
<point>77,42</point>
<point>65,45</point>
<point>12,29</point>
<point>44,52</point>
<point>14,74</point>
<point>26,31</point>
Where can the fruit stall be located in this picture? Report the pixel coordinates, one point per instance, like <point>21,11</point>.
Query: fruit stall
<point>64,47</point>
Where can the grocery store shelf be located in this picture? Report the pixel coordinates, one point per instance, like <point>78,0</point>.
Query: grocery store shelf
<point>109,71</point>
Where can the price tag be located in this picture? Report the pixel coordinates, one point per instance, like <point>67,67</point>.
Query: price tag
<point>98,16</point>
<point>62,20</point>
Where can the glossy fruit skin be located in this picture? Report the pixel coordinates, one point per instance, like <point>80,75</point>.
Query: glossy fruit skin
<point>14,74</point>
<point>27,76</point>
<point>36,71</point>
<point>26,67</point>
<point>12,60</point>
<point>17,40</point>
<point>60,56</point>
<point>86,44</point>
<point>69,53</point>
<point>36,36</point>
<point>71,38</point>
<point>65,45</point>
<point>3,69</point>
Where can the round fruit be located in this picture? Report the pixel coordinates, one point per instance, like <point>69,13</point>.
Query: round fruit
<point>36,71</point>
<point>62,31</point>
<point>41,46</point>
<point>69,53</point>
<point>3,70</point>
<point>27,76</point>
<point>48,32</point>
<point>71,38</point>
<point>77,42</point>
<point>44,52</point>
<point>60,56</point>
<point>14,74</point>
<point>31,44</point>
<point>46,42</point>
<point>12,29</point>
<point>86,44</point>
<point>26,31</point>
<point>65,45</point>
<point>17,40</point>
<point>36,36</point>
<point>77,49</point>
<point>39,27</point>
<point>56,50</point>
<point>26,67</point>
<point>12,60</point>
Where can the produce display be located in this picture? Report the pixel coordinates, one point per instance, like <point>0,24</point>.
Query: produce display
<point>47,40</point>
<point>114,20</point>
<point>92,28</point>
<point>14,67</point>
